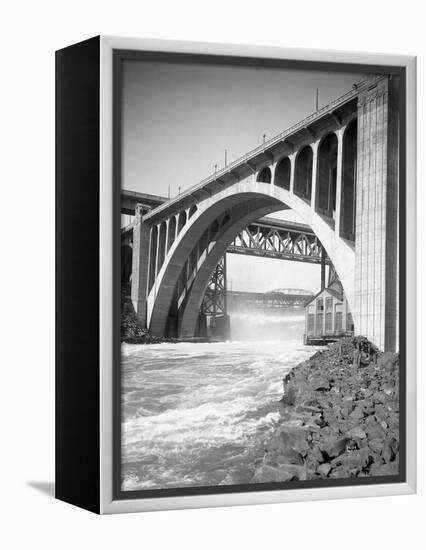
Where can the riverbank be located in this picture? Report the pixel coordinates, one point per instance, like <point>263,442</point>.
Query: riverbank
<point>339,417</point>
<point>131,331</point>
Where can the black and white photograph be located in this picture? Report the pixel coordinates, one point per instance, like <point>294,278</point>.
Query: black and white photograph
<point>213,220</point>
<point>260,262</point>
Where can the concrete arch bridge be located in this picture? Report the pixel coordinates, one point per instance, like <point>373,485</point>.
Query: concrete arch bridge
<point>337,169</point>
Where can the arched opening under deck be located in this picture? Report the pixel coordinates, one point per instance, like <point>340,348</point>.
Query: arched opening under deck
<point>303,174</point>
<point>264,175</point>
<point>348,200</point>
<point>152,257</point>
<point>172,232</point>
<point>327,177</point>
<point>283,174</point>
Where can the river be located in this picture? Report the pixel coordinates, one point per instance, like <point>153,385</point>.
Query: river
<point>198,414</point>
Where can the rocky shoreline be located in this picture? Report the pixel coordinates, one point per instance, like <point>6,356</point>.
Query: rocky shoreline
<point>339,417</point>
<point>133,333</point>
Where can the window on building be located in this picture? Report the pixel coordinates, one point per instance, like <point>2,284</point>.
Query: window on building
<point>320,304</point>
<point>311,323</point>
<point>328,304</point>
<point>328,322</point>
<point>320,322</point>
<point>338,321</point>
<point>350,323</point>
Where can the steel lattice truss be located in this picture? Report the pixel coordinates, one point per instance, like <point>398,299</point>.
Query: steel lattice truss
<point>214,301</point>
<point>280,298</point>
<point>269,238</point>
<point>286,243</point>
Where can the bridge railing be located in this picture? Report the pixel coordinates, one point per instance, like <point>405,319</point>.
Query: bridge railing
<point>279,137</point>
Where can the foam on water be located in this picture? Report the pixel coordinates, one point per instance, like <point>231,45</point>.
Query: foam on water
<point>200,413</point>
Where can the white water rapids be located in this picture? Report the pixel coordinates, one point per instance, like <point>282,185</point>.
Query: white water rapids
<point>198,414</point>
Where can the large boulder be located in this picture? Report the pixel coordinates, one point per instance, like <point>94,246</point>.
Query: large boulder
<point>356,433</point>
<point>320,383</point>
<point>334,446</point>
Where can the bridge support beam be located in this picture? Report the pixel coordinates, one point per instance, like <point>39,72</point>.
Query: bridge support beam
<point>376,258</point>
<point>214,306</point>
<point>339,135</point>
<point>140,263</point>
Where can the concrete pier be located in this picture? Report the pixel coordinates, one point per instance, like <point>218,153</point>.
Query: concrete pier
<point>376,245</point>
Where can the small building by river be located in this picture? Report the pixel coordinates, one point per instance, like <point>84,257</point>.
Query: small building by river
<point>327,316</point>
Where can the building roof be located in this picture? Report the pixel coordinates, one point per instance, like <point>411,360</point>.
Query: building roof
<point>334,293</point>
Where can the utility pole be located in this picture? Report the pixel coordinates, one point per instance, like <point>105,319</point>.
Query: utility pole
<point>317,99</point>
<point>264,138</point>
<point>215,168</point>
<point>226,157</point>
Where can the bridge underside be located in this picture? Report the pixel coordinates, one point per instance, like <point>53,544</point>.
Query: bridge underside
<point>269,238</point>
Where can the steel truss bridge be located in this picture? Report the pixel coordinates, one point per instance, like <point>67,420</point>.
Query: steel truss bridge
<point>274,299</point>
<point>267,238</point>
<point>275,238</point>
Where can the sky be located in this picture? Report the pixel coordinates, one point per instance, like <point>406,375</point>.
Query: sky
<point>178,119</point>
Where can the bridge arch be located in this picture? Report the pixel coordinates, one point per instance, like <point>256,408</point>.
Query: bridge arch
<point>192,210</point>
<point>265,175</point>
<point>349,168</point>
<point>283,173</point>
<point>225,219</point>
<point>214,228</point>
<point>162,244</point>
<point>326,187</point>
<point>171,232</point>
<point>181,221</point>
<point>244,201</point>
<point>153,247</point>
<point>303,173</point>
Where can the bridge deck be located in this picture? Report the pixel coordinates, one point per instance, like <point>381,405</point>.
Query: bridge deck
<point>269,222</point>
<point>129,200</point>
